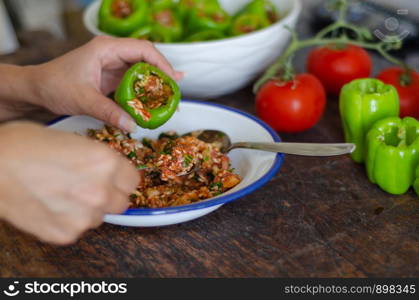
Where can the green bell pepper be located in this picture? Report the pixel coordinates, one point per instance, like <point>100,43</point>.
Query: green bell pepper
<point>122,17</point>
<point>247,23</point>
<point>153,33</point>
<point>362,102</point>
<point>393,153</point>
<point>167,24</point>
<point>157,5</point>
<point>164,25</point>
<point>209,16</point>
<point>184,7</point>
<point>148,95</point>
<point>143,33</point>
<point>257,15</point>
<point>206,35</point>
<point>262,8</point>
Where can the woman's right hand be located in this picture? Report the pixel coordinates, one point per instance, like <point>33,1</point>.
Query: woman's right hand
<point>56,185</point>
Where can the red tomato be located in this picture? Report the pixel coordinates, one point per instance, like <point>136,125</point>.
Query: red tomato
<point>408,94</point>
<point>291,106</point>
<point>336,67</point>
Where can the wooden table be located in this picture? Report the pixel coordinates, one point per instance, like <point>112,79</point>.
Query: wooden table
<point>319,217</point>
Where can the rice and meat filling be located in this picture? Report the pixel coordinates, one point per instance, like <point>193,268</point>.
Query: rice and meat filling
<point>173,170</point>
<point>121,9</point>
<point>151,92</point>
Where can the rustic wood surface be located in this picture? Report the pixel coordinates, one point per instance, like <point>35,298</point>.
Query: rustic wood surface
<point>319,217</point>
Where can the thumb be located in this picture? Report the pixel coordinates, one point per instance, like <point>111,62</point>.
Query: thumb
<point>106,110</point>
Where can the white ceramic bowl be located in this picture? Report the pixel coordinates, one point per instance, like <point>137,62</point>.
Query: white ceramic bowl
<point>255,167</point>
<point>216,68</point>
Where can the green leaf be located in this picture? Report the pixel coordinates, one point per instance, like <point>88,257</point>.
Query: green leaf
<point>216,185</point>
<point>187,159</point>
<point>132,155</point>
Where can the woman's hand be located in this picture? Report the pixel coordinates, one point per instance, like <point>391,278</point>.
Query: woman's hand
<point>56,185</point>
<point>78,82</point>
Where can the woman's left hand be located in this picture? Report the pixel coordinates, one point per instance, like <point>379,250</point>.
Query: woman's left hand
<point>78,82</point>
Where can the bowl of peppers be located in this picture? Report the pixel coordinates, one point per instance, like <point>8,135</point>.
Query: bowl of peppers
<point>220,45</point>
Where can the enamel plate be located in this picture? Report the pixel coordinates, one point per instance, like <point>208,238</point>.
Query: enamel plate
<point>255,167</point>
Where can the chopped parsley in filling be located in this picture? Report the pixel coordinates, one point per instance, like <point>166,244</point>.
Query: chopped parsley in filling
<point>174,170</point>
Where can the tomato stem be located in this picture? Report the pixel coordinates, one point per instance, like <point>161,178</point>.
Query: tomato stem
<point>288,71</point>
<point>363,38</point>
<point>406,78</point>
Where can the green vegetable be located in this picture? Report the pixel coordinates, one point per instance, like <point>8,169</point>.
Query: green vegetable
<point>164,25</point>
<point>216,186</point>
<point>166,22</point>
<point>157,5</point>
<point>187,160</point>
<point>363,102</point>
<point>208,16</point>
<point>393,154</point>
<point>155,33</point>
<point>263,8</point>
<point>184,7</point>
<point>144,33</point>
<point>150,115</point>
<point>122,22</point>
<point>246,23</point>
<point>257,15</point>
<point>132,154</point>
<point>206,35</point>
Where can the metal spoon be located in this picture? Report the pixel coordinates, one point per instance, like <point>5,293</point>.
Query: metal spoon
<point>307,149</point>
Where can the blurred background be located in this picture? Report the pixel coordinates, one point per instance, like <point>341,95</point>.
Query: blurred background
<point>63,18</point>
<point>54,25</point>
<point>35,31</point>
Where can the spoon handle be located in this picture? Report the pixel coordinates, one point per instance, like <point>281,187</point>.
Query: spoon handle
<point>307,149</point>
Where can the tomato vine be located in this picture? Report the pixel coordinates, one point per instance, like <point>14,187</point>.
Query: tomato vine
<point>283,67</point>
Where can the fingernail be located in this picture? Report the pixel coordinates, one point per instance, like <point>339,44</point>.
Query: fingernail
<point>127,124</point>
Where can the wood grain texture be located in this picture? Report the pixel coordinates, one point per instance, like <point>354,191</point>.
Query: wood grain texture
<point>319,217</point>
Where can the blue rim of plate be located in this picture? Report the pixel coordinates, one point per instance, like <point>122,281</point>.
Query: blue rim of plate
<point>279,160</point>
